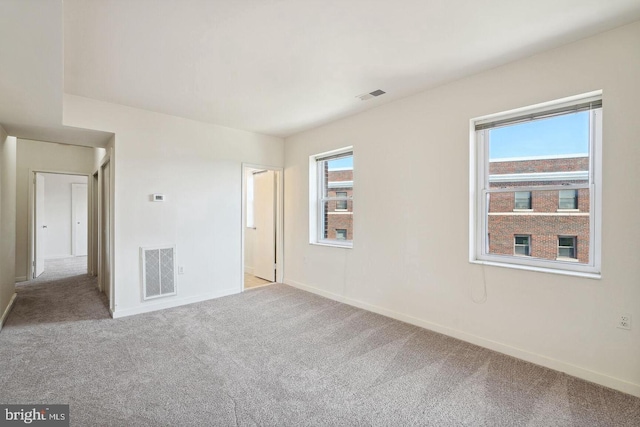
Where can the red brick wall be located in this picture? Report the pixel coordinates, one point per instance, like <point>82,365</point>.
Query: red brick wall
<point>545,223</point>
<point>571,164</point>
<point>338,219</point>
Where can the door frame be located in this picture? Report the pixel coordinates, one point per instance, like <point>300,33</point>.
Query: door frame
<point>31,210</point>
<point>279,219</point>
<point>106,160</point>
<point>92,251</point>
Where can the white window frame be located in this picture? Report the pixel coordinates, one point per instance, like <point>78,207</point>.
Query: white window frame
<point>478,195</point>
<point>515,201</point>
<point>516,245</point>
<point>574,245</point>
<point>342,199</point>
<point>316,205</point>
<point>574,198</point>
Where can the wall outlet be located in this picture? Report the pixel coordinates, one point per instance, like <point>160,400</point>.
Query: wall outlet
<point>181,269</point>
<point>624,321</point>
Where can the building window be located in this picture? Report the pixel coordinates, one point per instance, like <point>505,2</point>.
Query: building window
<point>550,152</point>
<point>341,203</point>
<point>567,247</point>
<point>331,201</point>
<point>568,199</point>
<point>523,200</point>
<point>522,245</point>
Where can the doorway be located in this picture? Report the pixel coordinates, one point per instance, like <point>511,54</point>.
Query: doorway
<point>262,226</point>
<point>60,225</point>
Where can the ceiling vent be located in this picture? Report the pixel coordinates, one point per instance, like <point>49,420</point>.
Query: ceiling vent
<point>370,95</point>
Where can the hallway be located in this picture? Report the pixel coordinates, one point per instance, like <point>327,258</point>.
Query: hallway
<point>63,293</point>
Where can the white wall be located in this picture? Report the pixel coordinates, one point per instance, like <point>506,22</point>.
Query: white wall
<point>411,207</point>
<point>57,213</point>
<point>198,166</point>
<point>7,221</point>
<point>42,156</point>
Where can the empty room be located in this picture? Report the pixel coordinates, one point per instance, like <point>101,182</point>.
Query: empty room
<point>299,212</point>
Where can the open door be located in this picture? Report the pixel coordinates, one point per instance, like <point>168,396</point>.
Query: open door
<point>40,226</point>
<point>79,208</point>
<point>264,249</point>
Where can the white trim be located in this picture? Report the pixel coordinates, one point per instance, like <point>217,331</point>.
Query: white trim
<point>31,255</point>
<point>315,208</point>
<point>60,256</point>
<point>340,184</point>
<point>538,359</point>
<point>174,302</point>
<point>528,267</point>
<point>334,244</point>
<point>530,212</point>
<point>479,191</point>
<point>547,157</point>
<point>21,279</point>
<point>532,109</point>
<point>540,176</point>
<point>7,310</point>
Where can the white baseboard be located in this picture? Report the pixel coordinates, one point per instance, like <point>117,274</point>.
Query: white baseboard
<point>59,256</point>
<point>170,303</point>
<point>538,359</point>
<point>21,279</point>
<point>248,269</point>
<point>8,310</point>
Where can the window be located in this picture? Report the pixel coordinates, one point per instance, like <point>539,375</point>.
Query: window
<point>522,245</point>
<point>568,199</point>
<point>550,152</point>
<point>331,201</point>
<point>341,203</point>
<point>523,200</point>
<point>567,247</point>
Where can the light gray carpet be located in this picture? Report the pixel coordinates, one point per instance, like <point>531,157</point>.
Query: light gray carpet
<point>273,356</point>
<point>60,268</point>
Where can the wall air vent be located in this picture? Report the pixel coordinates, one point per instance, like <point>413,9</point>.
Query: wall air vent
<point>370,95</point>
<point>158,265</point>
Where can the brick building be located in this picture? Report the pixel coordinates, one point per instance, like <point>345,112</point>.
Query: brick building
<point>339,213</point>
<point>547,224</point>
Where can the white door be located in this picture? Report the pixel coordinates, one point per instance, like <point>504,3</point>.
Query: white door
<point>105,224</point>
<point>264,207</point>
<point>40,231</point>
<point>79,208</point>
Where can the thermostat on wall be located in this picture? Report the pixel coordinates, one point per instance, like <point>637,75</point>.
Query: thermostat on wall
<point>157,197</point>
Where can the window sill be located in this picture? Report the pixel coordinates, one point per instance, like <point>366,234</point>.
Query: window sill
<point>568,210</point>
<point>333,244</point>
<point>566,259</point>
<point>523,210</point>
<point>587,275</point>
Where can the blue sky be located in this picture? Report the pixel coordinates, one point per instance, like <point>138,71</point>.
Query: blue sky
<point>345,162</point>
<point>566,134</point>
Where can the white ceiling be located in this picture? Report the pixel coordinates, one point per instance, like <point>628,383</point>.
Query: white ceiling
<point>271,66</point>
<point>281,66</point>
<point>31,74</point>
